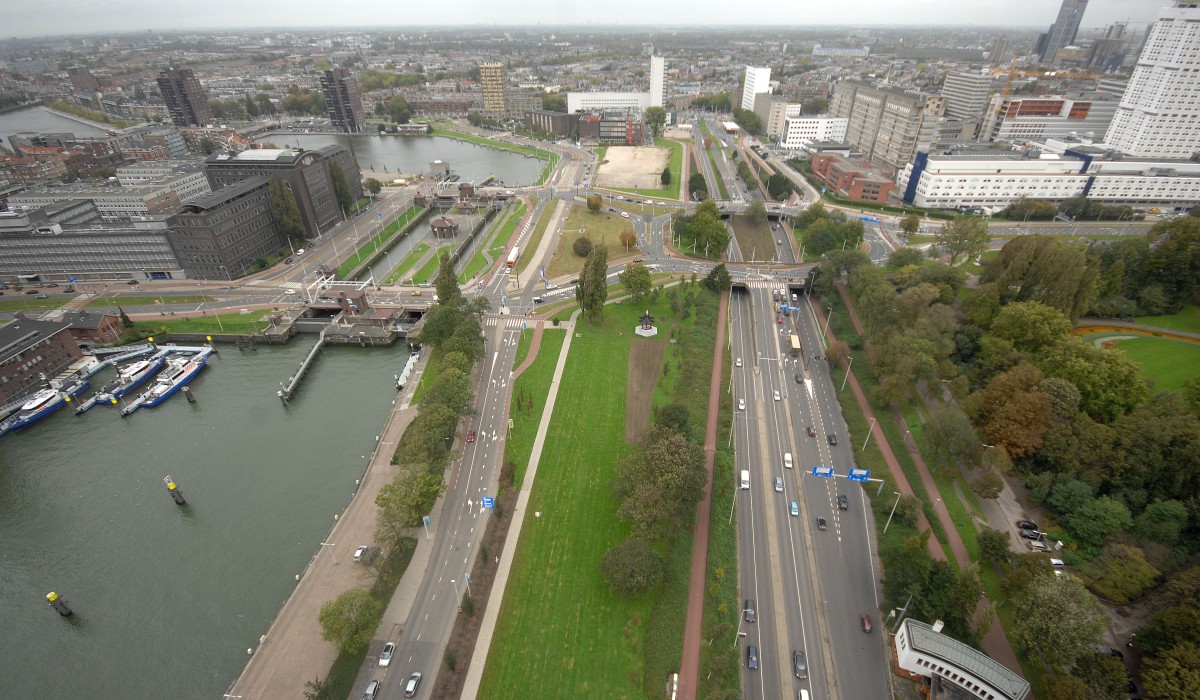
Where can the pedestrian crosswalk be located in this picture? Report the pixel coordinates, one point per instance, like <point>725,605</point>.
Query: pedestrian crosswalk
<point>509,321</point>
<point>762,284</point>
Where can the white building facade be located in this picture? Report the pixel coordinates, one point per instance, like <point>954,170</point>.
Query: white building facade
<point>591,101</point>
<point>658,86</point>
<point>1159,116</point>
<point>800,131</point>
<point>925,651</point>
<point>966,94</point>
<point>757,80</point>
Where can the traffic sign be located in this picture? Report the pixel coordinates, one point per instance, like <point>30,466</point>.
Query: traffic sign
<point>826,472</point>
<point>859,475</point>
<point>426,520</point>
<point>487,502</point>
<point>73,280</point>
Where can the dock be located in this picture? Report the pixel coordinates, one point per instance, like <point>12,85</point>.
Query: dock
<point>288,388</point>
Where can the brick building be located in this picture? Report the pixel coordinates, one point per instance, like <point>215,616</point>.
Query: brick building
<point>221,235</point>
<point>853,179</point>
<point>31,353</point>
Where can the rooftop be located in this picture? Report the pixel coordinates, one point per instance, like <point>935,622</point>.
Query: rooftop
<point>926,641</point>
<point>22,333</point>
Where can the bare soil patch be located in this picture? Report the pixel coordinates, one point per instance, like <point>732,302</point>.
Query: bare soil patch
<point>633,167</point>
<point>645,362</point>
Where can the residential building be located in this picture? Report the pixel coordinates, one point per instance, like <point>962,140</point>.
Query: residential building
<point>82,80</point>
<point>966,94</point>
<point>887,123</point>
<point>305,172</point>
<point>138,249</point>
<point>923,650</point>
<point>756,80</point>
<point>658,86</point>
<point>560,124</point>
<point>851,178</point>
<point>1021,119</point>
<point>1062,32</point>
<point>495,89</point>
<point>799,132</point>
<point>31,353</point>
<point>221,235</point>
<point>184,97</point>
<point>1159,115</point>
<point>439,106</point>
<point>91,328</point>
<point>841,51</point>
<point>521,101</point>
<point>143,151</point>
<point>156,198</point>
<point>343,103</point>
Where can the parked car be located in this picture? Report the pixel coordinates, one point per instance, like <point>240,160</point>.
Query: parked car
<point>361,552</point>
<point>69,290</point>
<point>131,282</point>
<point>843,502</point>
<point>799,379</point>
<point>1026,525</point>
<point>287,261</point>
<point>1031,534</point>
<point>31,291</point>
<point>1037,546</point>
<point>1109,651</point>
<point>865,621</point>
<point>372,690</point>
<point>385,656</point>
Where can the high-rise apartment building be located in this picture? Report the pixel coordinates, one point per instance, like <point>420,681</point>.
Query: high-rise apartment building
<point>1062,32</point>
<point>491,79</point>
<point>184,97</point>
<point>343,102</point>
<point>82,80</point>
<point>658,87</point>
<point>966,94</point>
<point>1001,53</point>
<point>887,123</point>
<point>757,80</point>
<point>1159,115</point>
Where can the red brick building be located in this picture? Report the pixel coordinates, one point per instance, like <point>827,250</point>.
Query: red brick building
<point>90,328</point>
<point>31,353</point>
<point>853,179</point>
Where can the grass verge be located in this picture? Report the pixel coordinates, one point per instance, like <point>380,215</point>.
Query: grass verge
<point>1186,320</point>
<point>427,377</point>
<point>252,322</point>
<point>144,300</point>
<point>407,264</point>
<point>536,239</point>
<point>370,247</point>
<point>430,268</point>
<point>603,228</point>
<point>530,391</point>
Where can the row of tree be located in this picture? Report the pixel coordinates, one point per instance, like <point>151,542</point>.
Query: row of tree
<point>1075,208</point>
<point>704,233</point>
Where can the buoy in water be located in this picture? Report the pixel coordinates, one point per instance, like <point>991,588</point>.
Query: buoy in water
<point>188,393</point>
<point>58,603</point>
<point>176,494</point>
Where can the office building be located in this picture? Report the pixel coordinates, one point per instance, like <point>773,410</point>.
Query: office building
<point>966,94</point>
<point>307,175</point>
<point>559,124</point>
<point>756,80</point>
<point>612,127</point>
<point>953,666</point>
<point>772,110</point>
<point>1062,32</point>
<point>1022,119</point>
<point>801,131</point>
<point>658,86</point>
<point>184,97</point>
<point>1159,115</point>
<point>155,198</point>
<point>593,101</point>
<point>886,123</point>
<point>343,103</point>
<point>491,79</point>
<point>221,235</point>
<point>137,249</point>
<point>1001,53</point>
<point>31,353</point>
<point>852,178</point>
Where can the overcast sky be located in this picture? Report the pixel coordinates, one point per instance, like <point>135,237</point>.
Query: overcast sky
<point>55,17</point>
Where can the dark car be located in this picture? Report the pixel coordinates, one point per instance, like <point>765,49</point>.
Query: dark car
<point>1026,525</point>
<point>799,379</point>
<point>843,502</point>
<point>1110,652</point>
<point>52,285</point>
<point>812,432</point>
<point>131,282</point>
<point>799,664</point>
<point>832,439</point>
<point>69,290</point>
<point>752,657</point>
<point>821,524</point>
<point>1031,534</point>
<point>287,261</point>
<point>749,610</point>
<point>865,621</point>
<point>31,291</point>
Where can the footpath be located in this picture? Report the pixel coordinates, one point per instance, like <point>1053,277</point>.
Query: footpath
<point>689,666</point>
<point>995,642</point>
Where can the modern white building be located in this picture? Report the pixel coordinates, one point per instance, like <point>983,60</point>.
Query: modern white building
<point>966,94</point>
<point>1021,119</point>
<point>800,131</point>
<point>594,101</point>
<point>154,198</point>
<point>757,80</point>
<point>658,86</point>
<point>996,179</point>
<point>1159,115</point>
<point>923,650</point>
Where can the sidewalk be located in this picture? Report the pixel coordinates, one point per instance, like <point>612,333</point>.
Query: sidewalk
<point>292,651</point>
<point>491,614</point>
<point>689,665</point>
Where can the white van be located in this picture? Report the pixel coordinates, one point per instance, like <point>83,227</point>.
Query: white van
<point>802,695</point>
<point>745,478</point>
<point>787,459</point>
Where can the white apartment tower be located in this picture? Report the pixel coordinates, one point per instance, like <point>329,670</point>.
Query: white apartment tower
<point>1159,116</point>
<point>966,94</point>
<point>758,80</point>
<point>658,86</point>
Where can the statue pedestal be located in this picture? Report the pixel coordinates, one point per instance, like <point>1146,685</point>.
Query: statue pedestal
<point>646,332</point>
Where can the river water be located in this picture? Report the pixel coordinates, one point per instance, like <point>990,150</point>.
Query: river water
<point>38,119</point>
<point>168,599</point>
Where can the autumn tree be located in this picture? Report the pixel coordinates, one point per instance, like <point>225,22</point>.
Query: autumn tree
<point>628,239</point>
<point>594,202</point>
<point>632,567</point>
<point>349,620</point>
<point>964,235</point>
<point>1013,414</point>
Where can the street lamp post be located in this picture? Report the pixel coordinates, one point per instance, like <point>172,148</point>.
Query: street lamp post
<point>889,521</point>
<point>331,554</point>
<point>456,596</point>
<point>847,374</point>
<point>869,431</point>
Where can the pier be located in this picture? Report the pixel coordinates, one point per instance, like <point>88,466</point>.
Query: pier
<point>285,393</point>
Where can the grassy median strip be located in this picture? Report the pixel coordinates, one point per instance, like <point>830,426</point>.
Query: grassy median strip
<point>430,268</point>
<point>370,247</point>
<point>535,240</point>
<point>530,391</point>
<point>502,231</point>
<point>407,264</point>
<point>144,300</point>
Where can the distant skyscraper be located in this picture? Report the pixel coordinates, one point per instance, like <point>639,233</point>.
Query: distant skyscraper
<point>1000,53</point>
<point>658,88</point>
<point>757,80</point>
<point>343,103</point>
<point>966,94</point>
<point>1062,32</point>
<point>491,78</point>
<point>1159,116</point>
<point>184,97</point>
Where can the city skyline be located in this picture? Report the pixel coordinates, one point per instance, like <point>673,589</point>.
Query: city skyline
<point>92,16</point>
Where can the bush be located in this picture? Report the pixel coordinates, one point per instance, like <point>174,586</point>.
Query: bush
<point>582,246</point>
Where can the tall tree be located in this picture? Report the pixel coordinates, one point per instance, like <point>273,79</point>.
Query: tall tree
<point>1057,620</point>
<point>446,283</point>
<point>594,202</point>
<point>1013,414</point>
<point>636,280</point>
<point>632,567</point>
<point>661,483</point>
<point>655,118</point>
<point>400,111</point>
<point>1174,674</point>
<point>592,290</point>
<point>697,185</point>
<point>964,235</point>
<point>757,211</point>
<point>373,186</point>
<point>1031,325</point>
<point>349,620</point>
<point>1109,384</point>
<point>341,188</point>
<point>910,224</point>
<point>285,211</point>
<point>949,439</point>
<point>1043,268</point>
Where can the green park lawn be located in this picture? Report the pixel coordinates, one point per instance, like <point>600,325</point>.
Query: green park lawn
<point>550,157</point>
<point>529,397</point>
<point>407,264</point>
<point>1186,320</point>
<point>251,322</point>
<point>602,227</point>
<point>494,246</point>
<point>430,268</point>
<point>24,303</point>
<point>143,300</point>
<point>1167,363</point>
<point>562,632</point>
<point>371,246</point>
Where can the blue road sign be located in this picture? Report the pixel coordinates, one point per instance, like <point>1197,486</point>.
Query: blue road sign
<point>426,520</point>
<point>859,474</point>
<point>826,472</point>
<point>73,280</point>
<point>487,502</point>
<point>871,219</point>
<point>468,579</point>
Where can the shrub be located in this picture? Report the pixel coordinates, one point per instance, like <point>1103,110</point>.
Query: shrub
<point>582,246</point>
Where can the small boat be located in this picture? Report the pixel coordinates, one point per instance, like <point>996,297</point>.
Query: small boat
<point>179,371</point>
<point>130,377</point>
<point>40,405</point>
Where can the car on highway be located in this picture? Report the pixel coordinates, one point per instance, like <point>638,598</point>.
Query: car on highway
<point>832,439</point>
<point>415,293</point>
<point>1026,525</point>
<point>843,502</point>
<point>131,282</point>
<point>799,379</point>
<point>741,404</point>
<point>737,362</point>
<point>410,688</point>
<point>372,690</point>
<point>290,292</point>
<point>625,214</point>
<point>287,261</point>
<point>821,524</point>
<point>752,657</point>
<point>470,436</point>
<point>749,610</point>
<point>385,656</point>
<point>865,621</point>
<point>779,319</point>
<point>52,285</point>
<point>31,291</point>
<point>794,509</point>
<point>776,393</point>
<point>1031,534</point>
<point>361,552</point>
<point>812,432</point>
<point>779,484</point>
<point>799,665</point>
<point>787,460</point>
<point>69,290</point>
